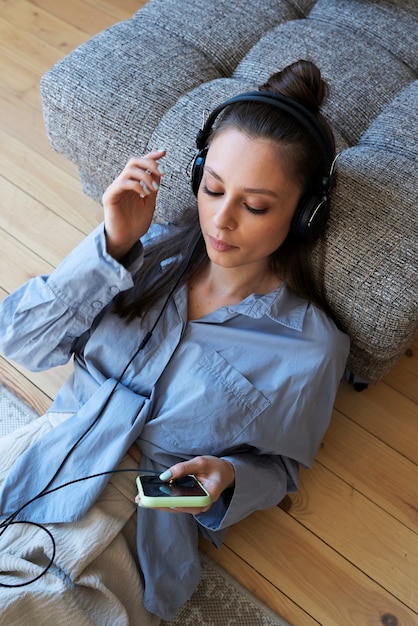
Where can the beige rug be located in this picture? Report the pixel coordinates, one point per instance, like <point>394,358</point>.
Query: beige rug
<point>218,601</point>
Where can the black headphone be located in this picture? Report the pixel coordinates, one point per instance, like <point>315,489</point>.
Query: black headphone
<point>312,211</point>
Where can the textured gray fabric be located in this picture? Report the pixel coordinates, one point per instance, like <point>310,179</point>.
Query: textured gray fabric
<point>206,26</point>
<point>372,242</point>
<point>302,6</point>
<point>371,257</point>
<point>386,23</point>
<point>396,130</point>
<point>360,88</point>
<point>147,82</point>
<point>103,100</point>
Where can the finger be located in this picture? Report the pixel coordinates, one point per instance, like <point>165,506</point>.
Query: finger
<point>194,466</point>
<point>156,154</point>
<point>149,163</point>
<point>147,174</point>
<point>123,184</point>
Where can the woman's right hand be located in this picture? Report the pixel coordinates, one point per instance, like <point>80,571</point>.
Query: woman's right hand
<point>129,202</point>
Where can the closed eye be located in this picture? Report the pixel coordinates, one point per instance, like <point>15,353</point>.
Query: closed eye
<point>249,208</point>
<point>211,193</point>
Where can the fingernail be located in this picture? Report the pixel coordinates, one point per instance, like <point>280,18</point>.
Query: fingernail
<point>155,185</point>
<point>145,188</point>
<point>161,168</point>
<point>165,475</point>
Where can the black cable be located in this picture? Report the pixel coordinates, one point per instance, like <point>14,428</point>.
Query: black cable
<point>10,521</point>
<point>142,345</point>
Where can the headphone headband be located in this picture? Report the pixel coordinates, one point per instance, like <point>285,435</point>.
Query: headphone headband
<point>304,116</point>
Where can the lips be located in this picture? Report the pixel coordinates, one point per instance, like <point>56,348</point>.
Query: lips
<point>220,246</point>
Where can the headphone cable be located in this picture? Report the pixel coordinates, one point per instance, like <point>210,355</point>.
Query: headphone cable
<point>11,520</point>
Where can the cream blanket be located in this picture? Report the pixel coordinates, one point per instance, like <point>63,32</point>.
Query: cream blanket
<point>94,579</point>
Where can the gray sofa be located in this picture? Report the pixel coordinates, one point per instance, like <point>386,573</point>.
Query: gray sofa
<point>147,82</point>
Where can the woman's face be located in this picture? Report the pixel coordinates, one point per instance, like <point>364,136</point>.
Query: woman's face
<point>246,201</point>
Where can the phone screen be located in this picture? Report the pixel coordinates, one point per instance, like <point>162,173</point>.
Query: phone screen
<point>184,486</point>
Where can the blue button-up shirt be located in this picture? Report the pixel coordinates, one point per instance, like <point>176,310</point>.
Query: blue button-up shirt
<point>253,383</point>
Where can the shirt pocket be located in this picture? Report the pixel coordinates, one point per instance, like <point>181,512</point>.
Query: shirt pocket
<point>219,405</point>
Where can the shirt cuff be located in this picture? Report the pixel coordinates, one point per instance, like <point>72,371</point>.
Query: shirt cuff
<point>261,481</point>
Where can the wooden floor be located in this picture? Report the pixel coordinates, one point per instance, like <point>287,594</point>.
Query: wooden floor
<point>343,551</point>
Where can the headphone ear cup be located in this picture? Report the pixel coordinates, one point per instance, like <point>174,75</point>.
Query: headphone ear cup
<point>310,217</point>
<point>197,170</point>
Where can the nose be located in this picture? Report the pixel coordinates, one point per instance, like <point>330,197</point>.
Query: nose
<point>225,215</point>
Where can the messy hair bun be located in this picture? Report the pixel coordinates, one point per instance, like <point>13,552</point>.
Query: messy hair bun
<point>301,81</point>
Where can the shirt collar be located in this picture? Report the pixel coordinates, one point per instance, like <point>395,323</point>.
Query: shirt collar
<point>281,305</point>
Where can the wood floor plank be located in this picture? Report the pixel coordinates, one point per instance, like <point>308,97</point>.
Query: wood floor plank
<point>24,387</point>
<point>330,589</point>
<point>37,389</point>
<point>21,82</point>
<point>19,263</point>
<point>372,468</point>
<point>403,377</point>
<point>25,123</point>
<point>356,528</point>
<point>258,585</point>
<point>85,17</point>
<point>44,181</point>
<point>35,225</point>
<point>37,24</point>
<point>121,10</point>
<point>385,413</point>
<point>24,48</point>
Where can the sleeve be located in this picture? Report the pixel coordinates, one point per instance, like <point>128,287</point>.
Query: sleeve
<point>41,320</point>
<point>261,481</point>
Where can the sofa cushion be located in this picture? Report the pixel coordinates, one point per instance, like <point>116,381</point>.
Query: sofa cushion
<point>103,100</point>
<point>359,89</point>
<point>206,26</point>
<point>371,260</point>
<point>391,25</point>
<point>395,130</point>
<point>372,241</point>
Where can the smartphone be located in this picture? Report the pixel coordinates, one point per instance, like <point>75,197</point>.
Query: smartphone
<point>181,492</point>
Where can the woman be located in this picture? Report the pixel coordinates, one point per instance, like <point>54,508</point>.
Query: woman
<point>205,350</point>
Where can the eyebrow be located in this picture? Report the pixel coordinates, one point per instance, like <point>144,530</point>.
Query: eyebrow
<point>267,192</point>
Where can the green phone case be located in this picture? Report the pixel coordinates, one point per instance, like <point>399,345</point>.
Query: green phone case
<point>161,498</point>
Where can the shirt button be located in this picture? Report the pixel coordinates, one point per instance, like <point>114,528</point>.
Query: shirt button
<point>96,304</point>
<point>114,290</point>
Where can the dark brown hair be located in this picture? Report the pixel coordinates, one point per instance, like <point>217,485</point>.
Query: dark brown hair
<point>305,164</point>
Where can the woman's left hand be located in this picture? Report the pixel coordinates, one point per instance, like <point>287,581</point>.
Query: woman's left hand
<point>215,474</point>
